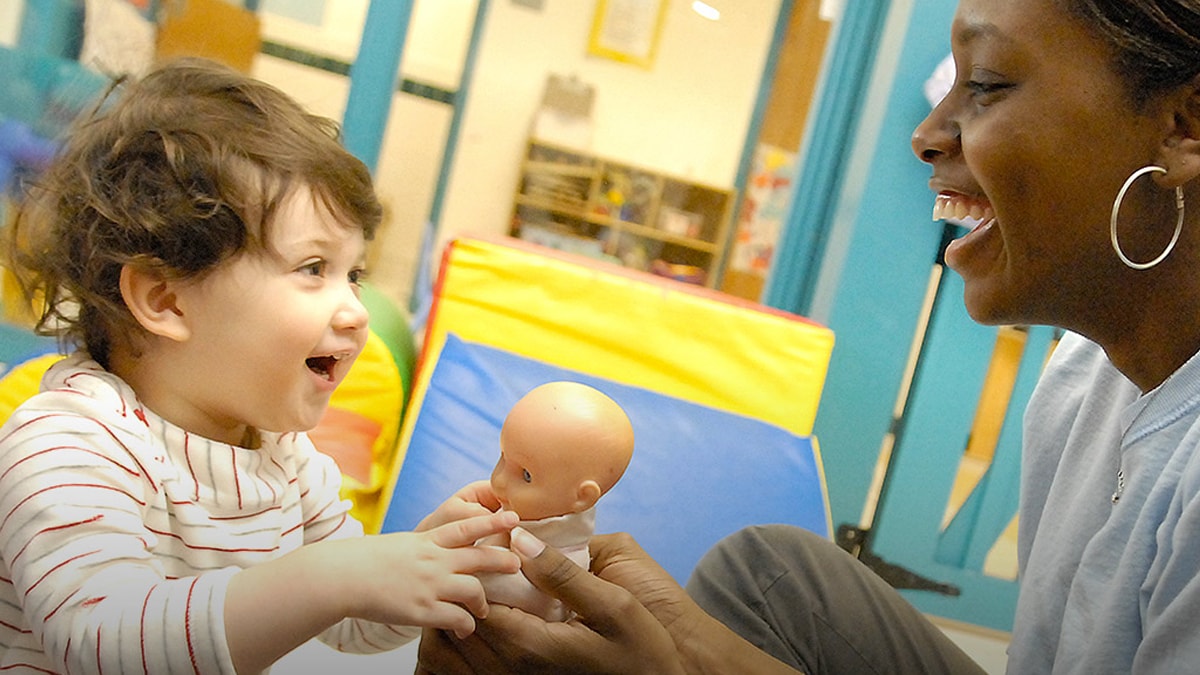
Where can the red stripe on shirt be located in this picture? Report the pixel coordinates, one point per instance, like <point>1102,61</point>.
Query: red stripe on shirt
<point>187,456</point>
<point>53,529</point>
<point>187,626</point>
<point>98,486</point>
<point>197,547</point>
<point>142,630</point>
<point>105,427</point>
<point>52,570</point>
<point>89,451</point>
<point>237,483</point>
<point>30,666</point>
<point>244,516</point>
<point>99,663</point>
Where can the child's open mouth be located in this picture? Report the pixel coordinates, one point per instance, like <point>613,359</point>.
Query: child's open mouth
<point>322,365</point>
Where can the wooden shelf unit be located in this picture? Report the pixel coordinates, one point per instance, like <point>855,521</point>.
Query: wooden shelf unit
<point>572,200</point>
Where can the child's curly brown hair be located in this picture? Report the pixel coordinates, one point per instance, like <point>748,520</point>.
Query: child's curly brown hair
<point>181,172</point>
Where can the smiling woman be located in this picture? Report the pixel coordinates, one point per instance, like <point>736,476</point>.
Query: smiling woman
<point>1116,83</point>
<point>1055,107</point>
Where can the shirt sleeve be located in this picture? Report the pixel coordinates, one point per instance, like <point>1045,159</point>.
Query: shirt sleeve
<point>327,517</point>
<point>73,499</point>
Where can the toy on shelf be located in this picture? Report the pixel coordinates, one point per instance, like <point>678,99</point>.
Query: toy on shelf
<point>567,198</point>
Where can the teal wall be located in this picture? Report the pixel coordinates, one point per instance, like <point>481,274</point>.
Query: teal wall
<point>873,269</point>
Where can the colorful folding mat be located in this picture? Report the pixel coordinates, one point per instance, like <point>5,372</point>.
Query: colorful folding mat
<point>721,393</point>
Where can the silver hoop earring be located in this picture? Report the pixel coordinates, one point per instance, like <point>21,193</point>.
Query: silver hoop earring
<point>1112,221</point>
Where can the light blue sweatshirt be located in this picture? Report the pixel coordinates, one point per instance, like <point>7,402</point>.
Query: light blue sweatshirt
<point>1109,587</point>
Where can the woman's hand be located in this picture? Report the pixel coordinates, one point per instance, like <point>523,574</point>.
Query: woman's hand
<point>612,631</point>
<point>619,559</point>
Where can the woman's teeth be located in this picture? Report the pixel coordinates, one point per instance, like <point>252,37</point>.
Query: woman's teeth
<point>960,208</point>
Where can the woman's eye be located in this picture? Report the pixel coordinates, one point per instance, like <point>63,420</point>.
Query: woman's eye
<point>525,474</point>
<point>984,91</point>
<point>978,87</point>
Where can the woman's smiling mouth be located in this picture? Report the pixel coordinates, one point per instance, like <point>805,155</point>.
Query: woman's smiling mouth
<point>961,207</point>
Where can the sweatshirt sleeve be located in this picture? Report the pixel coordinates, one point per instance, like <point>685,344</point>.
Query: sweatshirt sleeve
<point>1171,595</point>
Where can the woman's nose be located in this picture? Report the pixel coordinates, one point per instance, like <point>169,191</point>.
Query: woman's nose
<point>935,136</point>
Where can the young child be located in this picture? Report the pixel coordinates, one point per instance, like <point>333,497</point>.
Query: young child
<point>200,241</point>
<point>562,447</point>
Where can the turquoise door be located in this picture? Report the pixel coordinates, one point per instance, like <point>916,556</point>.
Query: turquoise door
<point>946,511</point>
<point>861,257</point>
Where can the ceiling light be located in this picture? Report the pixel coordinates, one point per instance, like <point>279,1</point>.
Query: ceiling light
<point>706,10</point>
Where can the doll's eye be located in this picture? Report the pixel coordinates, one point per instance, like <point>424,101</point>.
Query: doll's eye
<point>525,474</point>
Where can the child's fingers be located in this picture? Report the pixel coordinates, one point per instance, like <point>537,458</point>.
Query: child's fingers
<point>451,510</point>
<point>451,617</point>
<point>480,492</point>
<point>473,499</point>
<point>470,530</point>
<point>467,591</point>
<point>476,559</point>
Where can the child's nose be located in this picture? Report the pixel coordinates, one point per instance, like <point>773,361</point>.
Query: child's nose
<point>351,314</point>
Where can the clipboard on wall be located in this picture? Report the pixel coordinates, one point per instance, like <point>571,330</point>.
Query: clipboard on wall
<point>627,30</point>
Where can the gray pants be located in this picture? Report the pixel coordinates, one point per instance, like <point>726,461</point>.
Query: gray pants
<point>808,603</point>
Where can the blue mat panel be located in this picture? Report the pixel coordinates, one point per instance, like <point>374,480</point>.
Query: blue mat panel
<point>697,474</point>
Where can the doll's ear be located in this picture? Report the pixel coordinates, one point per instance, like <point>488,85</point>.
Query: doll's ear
<point>587,495</point>
<point>153,301</point>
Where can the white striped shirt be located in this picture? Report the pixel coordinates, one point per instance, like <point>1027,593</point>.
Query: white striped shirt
<point>119,531</point>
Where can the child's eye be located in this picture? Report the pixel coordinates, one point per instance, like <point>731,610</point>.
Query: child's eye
<point>525,474</point>
<point>315,268</point>
<point>357,276</point>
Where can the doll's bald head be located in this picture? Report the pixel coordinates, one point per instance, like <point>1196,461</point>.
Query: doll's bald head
<point>562,447</point>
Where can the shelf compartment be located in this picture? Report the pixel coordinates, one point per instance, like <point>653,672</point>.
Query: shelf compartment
<point>648,220</point>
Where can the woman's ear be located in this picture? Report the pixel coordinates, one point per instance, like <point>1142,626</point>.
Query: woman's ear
<point>153,301</point>
<point>1181,149</point>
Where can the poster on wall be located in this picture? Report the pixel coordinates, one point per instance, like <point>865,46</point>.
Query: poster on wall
<point>627,30</point>
<point>764,209</point>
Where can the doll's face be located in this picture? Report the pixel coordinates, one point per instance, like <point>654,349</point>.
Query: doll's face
<point>562,446</point>
<point>534,485</point>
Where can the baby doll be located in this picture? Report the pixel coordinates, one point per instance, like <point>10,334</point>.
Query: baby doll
<point>562,447</point>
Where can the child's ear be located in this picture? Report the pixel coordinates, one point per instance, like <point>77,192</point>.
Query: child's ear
<point>587,495</point>
<point>151,298</point>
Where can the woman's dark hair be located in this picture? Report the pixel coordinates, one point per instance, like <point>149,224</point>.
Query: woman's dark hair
<point>1156,42</point>
<point>179,172</point>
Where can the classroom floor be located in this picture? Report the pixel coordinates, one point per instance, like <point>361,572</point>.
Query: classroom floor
<point>987,649</point>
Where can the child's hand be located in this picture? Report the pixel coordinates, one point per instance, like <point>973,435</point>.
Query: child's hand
<point>427,578</point>
<point>473,499</point>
